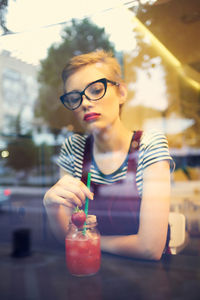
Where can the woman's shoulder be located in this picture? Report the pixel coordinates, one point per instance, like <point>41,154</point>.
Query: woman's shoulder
<point>152,136</point>
<point>75,139</point>
<point>154,147</point>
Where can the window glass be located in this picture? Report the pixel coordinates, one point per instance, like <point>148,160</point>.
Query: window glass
<point>158,48</point>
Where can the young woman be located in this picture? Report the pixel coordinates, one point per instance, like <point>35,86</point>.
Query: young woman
<point>130,182</point>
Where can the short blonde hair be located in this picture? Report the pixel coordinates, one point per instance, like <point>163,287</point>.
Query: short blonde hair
<point>98,56</point>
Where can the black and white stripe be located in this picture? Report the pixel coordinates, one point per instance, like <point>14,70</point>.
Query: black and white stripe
<point>153,148</point>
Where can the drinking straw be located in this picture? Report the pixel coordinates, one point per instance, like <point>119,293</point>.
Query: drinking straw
<point>87,200</point>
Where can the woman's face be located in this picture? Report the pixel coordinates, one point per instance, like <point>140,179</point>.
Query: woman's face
<point>98,115</point>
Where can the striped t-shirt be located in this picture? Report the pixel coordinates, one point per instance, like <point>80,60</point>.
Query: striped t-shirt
<point>153,148</point>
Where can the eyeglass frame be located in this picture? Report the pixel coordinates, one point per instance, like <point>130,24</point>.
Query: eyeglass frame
<point>105,82</point>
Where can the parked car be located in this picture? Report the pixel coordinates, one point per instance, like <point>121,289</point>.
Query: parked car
<point>5,194</point>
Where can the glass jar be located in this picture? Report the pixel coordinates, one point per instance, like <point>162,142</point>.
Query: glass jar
<point>83,251</point>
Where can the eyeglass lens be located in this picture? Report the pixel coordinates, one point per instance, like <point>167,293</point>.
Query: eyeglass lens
<point>94,91</point>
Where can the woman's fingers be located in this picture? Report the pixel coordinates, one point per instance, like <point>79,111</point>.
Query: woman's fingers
<point>68,191</point>
<point>86,190</point>
<point>57,200</point>
<point>71,197</point>
<point>58,195</point>
<point>71,182</point>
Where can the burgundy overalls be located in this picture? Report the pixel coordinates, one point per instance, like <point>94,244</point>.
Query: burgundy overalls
<point>116,205</point>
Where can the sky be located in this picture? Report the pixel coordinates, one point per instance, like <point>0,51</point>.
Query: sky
<point>37,24</point>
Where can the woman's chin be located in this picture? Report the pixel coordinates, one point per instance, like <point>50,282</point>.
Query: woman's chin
<point>92,127</point>
<point>96,130</point>
<point>93,130</point>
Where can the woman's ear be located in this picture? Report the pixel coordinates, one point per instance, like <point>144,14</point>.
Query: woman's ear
<point>122,92</point>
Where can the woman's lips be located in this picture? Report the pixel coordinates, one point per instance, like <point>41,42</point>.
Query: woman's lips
<point>91,116</point>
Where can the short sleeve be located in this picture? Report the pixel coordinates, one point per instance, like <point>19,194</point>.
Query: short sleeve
<point>66,157</point>
<point>154,148</point>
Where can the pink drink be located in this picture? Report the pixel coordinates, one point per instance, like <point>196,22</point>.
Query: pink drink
<point>83,252</point>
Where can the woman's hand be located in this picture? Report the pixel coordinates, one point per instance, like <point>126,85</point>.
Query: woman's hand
<point>61,199</point>
<point>69,192</point>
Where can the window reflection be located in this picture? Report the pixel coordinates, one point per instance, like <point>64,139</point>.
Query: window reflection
<point>161,69</point>
<point>180,118</point>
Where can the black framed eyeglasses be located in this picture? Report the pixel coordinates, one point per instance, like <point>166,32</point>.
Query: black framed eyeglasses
<point>93,91</point>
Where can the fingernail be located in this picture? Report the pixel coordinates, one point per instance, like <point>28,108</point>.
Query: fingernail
<point>92,196</point>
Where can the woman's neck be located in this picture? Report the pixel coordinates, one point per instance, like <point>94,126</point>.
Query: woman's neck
<point>113,139</point>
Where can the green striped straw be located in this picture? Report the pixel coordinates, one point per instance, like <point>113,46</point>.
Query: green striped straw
<point>87,200</point>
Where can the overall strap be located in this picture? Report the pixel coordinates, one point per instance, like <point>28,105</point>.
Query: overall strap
<point>87,158</point>
<point>136,139</point>
<point>134,153</point>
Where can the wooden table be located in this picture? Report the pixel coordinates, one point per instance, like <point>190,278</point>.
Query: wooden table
<point>44,276</point>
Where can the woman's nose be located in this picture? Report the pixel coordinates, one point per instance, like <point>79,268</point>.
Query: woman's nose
<point>86,102</point>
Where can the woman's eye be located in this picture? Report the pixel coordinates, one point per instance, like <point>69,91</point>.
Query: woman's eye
<point>96,90</point>
<point>73,98</point>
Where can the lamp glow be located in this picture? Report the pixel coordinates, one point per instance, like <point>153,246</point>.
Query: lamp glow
<point>165,52</point>
<point>4,154</point>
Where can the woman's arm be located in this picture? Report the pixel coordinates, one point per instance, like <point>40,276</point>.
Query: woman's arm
<point>150,241</point>
<point>61,199</point>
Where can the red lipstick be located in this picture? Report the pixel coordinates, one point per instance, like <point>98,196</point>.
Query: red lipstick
<point>91,117</point>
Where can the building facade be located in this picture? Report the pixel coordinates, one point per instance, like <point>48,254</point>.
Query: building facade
<point>18,92</point>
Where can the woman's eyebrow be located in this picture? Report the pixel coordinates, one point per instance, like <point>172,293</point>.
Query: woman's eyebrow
<point>86,85</point>
<point>79,90</point>
<point>73,91</point>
